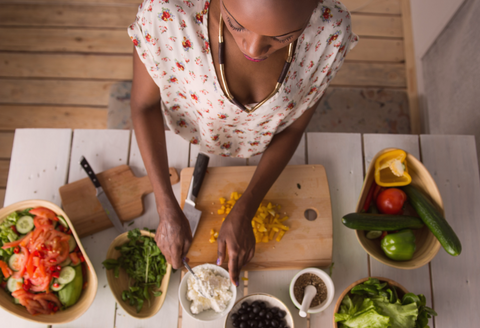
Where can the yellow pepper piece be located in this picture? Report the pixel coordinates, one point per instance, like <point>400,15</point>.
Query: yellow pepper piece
<point>222,200</point>
<point>265,239</point>
<point>220,211</point>
<point>391,169</point>
<point>212,232</point>
<point>280,235</point>
<point>215,235</point>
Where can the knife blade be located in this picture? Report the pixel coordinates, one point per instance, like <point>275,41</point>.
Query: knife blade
<point>193,215</point>
<point>102,197</point>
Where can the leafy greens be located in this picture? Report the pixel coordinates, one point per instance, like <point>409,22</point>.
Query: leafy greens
<point>376,305</point>
<point>145,265</point>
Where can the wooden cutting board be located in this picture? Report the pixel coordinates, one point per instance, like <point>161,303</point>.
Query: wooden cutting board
<point>124,190</point>
<point>299,187</point>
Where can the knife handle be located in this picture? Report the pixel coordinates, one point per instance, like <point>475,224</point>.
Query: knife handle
<point>199,173</point>
<point>89,171</point>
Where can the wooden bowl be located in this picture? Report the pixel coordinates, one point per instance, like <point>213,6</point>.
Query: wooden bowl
<point>427,244</point>
<point>400,291</point>
<point>270,300</point>
<point>118,285</point>
<point>88,294</point>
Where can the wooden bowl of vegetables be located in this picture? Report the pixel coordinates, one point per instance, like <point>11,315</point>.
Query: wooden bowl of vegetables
<point>426,244</point>
<point>391,303</point>
<point>50,277</point>
<point>121,273</point>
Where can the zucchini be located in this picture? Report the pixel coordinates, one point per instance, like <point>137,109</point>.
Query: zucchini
<point>434,221</point>
<point>382,222</point>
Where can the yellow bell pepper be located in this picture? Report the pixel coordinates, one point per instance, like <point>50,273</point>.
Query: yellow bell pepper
<point>391,169</point>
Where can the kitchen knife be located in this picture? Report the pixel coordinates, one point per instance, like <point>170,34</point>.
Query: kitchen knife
<point>193,215</point>
<point>102,197</point>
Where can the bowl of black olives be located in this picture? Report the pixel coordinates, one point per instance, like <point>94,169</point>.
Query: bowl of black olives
<point>259,311</point>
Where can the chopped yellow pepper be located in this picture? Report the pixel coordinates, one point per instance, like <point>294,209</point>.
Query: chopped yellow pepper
<point>265,224</point>
<point>391,169</point>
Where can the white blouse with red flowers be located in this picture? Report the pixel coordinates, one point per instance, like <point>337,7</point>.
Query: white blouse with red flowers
<point>171,38</point>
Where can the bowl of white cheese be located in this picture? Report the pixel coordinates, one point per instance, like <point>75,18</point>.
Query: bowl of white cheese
<point>215,284</point>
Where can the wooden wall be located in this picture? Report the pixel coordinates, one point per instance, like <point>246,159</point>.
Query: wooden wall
<point>58,60</point>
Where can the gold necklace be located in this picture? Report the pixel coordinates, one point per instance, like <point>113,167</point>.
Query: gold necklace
<point>221,58</point>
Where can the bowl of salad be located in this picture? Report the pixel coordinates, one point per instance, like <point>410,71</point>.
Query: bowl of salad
<point>380,302</point>
<point>45,274</point>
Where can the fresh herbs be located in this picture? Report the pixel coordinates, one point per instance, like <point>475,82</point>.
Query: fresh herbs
<point>145,265</point>
<point>375,304</point>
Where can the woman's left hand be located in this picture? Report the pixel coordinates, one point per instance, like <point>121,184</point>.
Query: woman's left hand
<point>237,236</point>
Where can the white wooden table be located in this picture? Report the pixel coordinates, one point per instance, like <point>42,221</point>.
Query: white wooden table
<point>45,159</point>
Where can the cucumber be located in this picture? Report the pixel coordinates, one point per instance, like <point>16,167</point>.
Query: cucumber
<point>13,262</point>
<point>70,294</point>
<point>381,222</point>
<point>14,284</point>
<point>60,286</point>
<point>71,244</point>
<point>67,274</point>
<point>434,221</point>
<point>67,261</point>
<point>62,221</point>
<point>24,224</point>
<point>16,301</point>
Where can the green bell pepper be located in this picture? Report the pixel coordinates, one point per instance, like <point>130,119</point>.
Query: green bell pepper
<point>399,246</point>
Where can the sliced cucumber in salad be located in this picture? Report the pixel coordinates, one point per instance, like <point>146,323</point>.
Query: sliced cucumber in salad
<point>57,286</point>
<point>67,261</point>
<point>62,221</point>
<point>14,284</point>
<point>25,224</point>
<point>72,244</point>
<point>13,262</point>
<point>67,274</point>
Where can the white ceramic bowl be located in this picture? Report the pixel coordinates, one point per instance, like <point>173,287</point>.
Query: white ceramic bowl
<point>328,283</point>
<point>271,302</point>
<point>208,315</point>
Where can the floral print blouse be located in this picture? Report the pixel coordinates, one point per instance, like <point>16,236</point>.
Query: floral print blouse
<point>171,38</point>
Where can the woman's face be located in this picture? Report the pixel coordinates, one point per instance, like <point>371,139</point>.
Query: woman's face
<point>261,27</point>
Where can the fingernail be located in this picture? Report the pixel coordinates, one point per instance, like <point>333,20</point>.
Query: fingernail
<point>236,283</point>
<point>218,261</point>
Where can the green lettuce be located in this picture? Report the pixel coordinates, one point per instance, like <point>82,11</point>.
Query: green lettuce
<point>7,234</point>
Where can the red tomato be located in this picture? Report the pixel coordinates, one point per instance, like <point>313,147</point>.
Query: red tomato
<point>391,200</point>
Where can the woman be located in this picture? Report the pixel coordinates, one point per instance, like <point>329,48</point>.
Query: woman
<point>237,109</point>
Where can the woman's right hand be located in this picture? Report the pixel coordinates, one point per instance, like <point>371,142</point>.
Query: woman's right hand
<point>173,236</point>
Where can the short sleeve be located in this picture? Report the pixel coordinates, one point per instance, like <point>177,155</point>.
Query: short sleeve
<point>146,40</point>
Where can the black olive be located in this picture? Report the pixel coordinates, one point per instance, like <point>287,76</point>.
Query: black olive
<point>262,313</point>
<point>281,314</point>
<point>249,309</point>
<point>258,318</point>
<point>269,315</point>
<point>254,303</point>
<point>256,309</point>
<point>251,315</point>
<point>262,304</point>
<point>236,323</point>
<point>274,323</point>
<point>254,324</point>
<point>244,317</point>
<point>261,324</point>
<point>275,310</point>
<point>267,323</point>
<point>234,317</point>
<point>243,324</point>
<point>244,305</point>
<point>241,311</point>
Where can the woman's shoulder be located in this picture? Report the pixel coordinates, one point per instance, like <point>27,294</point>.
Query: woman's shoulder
<point>171,10</point>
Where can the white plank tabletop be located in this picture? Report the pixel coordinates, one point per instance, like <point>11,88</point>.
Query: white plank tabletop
<point>45,159</point>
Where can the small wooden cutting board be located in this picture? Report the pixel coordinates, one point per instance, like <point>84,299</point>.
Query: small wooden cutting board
<point>299,187</point>
<point>124,190</point>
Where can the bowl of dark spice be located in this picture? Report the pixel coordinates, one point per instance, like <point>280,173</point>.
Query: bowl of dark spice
<point>313,287</point>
